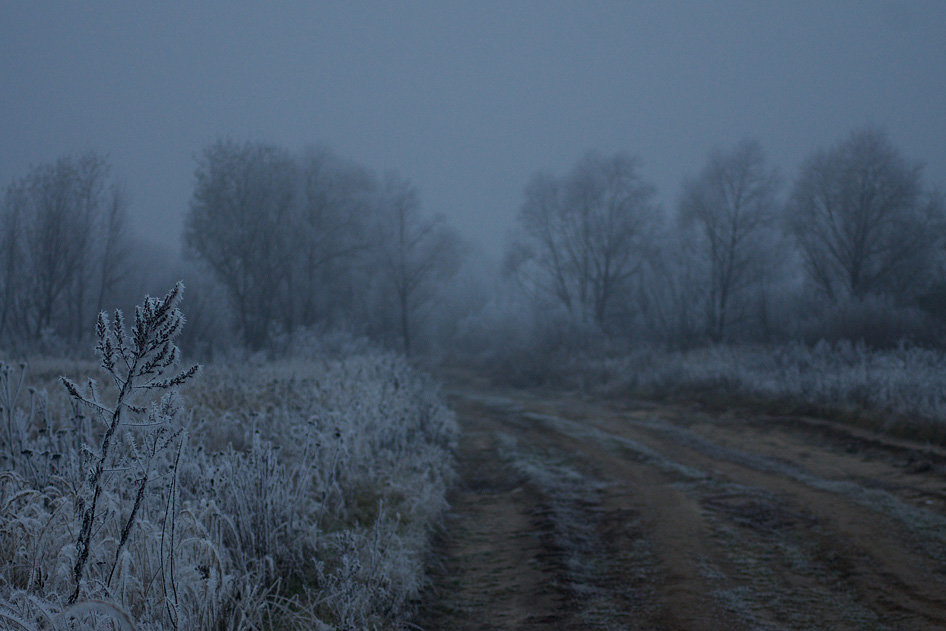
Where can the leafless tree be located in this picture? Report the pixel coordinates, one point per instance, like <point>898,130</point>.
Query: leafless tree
<point>239,223</point>
<point>671,291</point>
<point>287,236</point>
<point>582,236</point>
<point>332,234</point>
<point>114,245</point>
<point>862,221</point>
<point>63,231</point>
<point>13,261</point>
<point>418,252</point>
<point>731,205</point>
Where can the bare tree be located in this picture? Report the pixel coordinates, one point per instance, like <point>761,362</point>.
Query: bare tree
<point>114,245</point>
<point>671,291</point>
<point>331,234</point>
<point>862,220</point>
<point>57,239</point>
<point>12,264</point>
<point>239,223</point>
<point>292,240</point>
<point>418,253</point>
<point>732,206</point>
<point>582,236</point>
<point>63,227</point>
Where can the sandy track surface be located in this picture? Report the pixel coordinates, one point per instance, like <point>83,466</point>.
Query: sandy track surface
<point>578,514</point>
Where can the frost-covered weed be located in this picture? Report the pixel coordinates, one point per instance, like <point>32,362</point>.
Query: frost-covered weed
<point>302,497</point>
<point>135,438</point>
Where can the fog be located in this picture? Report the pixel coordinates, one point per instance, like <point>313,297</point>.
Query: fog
<point>465,99</point>
<point>449,177</point>
<point>593,315</point>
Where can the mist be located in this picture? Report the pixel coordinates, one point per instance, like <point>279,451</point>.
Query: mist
<point>486,315</point>
<point>467,102</point>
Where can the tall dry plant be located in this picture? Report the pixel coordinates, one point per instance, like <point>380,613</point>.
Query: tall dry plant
<point>140,363</point>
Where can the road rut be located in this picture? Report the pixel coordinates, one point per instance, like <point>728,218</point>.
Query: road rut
<point>572,513</point>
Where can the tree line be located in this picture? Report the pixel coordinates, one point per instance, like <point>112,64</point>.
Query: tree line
<point>277,242</point>
<point>273,243</point>
<point>853,248</point>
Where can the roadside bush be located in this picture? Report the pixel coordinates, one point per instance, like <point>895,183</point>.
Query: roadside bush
<point>872,321</point>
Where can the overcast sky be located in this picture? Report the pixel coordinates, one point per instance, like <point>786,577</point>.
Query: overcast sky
<point>467,99</point>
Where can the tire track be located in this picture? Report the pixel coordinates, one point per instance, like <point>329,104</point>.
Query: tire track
<point>574,515</point>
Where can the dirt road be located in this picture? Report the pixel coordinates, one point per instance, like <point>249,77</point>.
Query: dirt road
<point>577,514</point>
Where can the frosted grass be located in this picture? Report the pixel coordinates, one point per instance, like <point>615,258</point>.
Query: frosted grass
<point>901,390</point>
<point>302,497</point>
